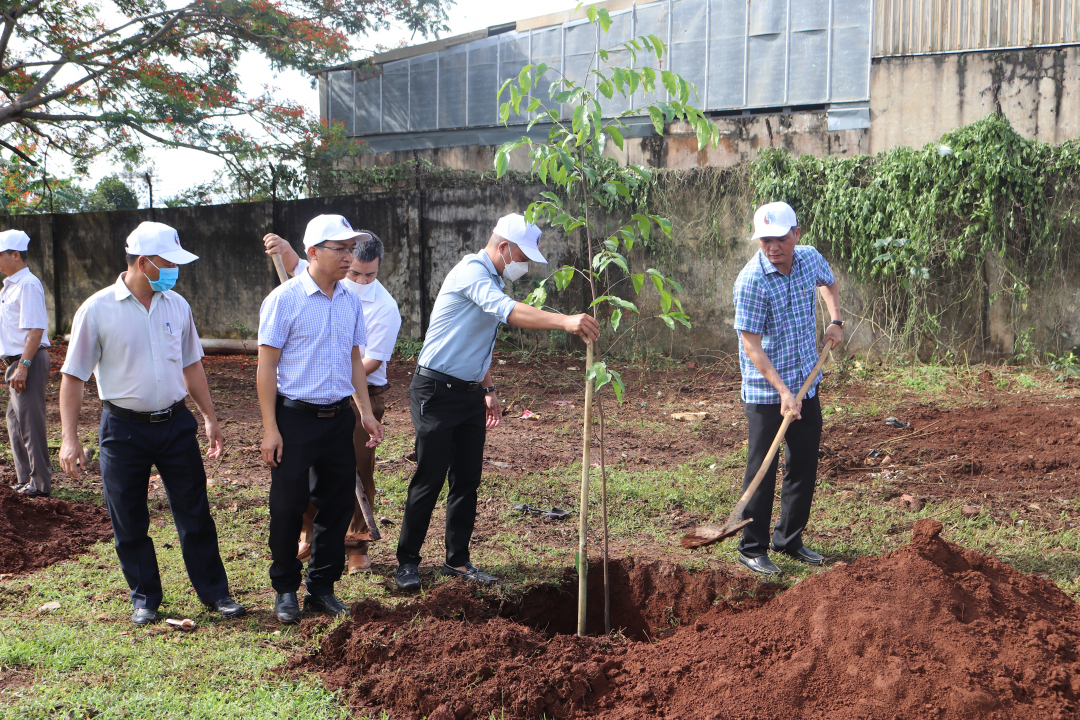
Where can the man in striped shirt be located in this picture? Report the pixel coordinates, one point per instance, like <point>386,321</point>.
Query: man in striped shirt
<point>311,330</point>
<point>774,316</point>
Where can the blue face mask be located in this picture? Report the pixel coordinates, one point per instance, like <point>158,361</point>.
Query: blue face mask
<point>166,278</point>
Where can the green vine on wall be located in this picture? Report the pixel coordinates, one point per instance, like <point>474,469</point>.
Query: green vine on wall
<point>911,219</point>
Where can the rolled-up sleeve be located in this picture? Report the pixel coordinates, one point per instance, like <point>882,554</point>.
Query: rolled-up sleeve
<point>383,327</point>
<point>275,319</point>
<point>190,347</point>
<point>823,271</point>
<point>32,312</point>
<point>84,349</point>
<point>477,285</point>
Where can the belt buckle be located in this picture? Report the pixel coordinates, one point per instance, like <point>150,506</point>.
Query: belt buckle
<point>160,415</point>
<point>327,412</point>
<point>473,386</point>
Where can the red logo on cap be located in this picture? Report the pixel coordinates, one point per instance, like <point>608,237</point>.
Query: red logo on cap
<point>769,218</point>
<point>176,237</point>
<point>346,223</point>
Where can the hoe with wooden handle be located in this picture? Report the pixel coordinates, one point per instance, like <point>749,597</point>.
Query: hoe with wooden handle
<point>708,534</point>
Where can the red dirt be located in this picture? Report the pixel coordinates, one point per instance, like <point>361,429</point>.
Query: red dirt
<point>39,532</point>
<point>931,631</point>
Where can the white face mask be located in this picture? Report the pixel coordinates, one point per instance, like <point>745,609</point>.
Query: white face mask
<point>514,269</point>
<point>362,290</point>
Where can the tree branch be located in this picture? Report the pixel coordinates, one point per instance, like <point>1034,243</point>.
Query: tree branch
<point>18,152</point>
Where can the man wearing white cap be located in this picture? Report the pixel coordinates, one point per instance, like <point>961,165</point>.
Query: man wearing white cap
<point>382,321</point>
<point>23,343</point>
<point>138,339</point>
<point>775,318</point>
<point>452,398</point>
<point>311,329</point>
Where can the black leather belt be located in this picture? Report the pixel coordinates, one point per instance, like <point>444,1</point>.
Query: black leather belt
<point>11,360</point>
<point>152,417</point>
<point>373,390</point>
<point>450,380</point>
<point>313,409</point>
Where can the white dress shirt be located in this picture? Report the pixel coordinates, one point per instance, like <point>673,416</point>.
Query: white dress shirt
<point>382,321</point>
<point>138,357</point>
<point>316,335</point>
<point>22,309</point>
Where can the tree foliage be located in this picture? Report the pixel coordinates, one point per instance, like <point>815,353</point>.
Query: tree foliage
<point>87,77</point>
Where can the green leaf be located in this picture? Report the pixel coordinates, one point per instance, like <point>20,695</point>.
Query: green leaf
<point>624,304</point>
<point>537,297</point>
<point>657,281</point>
<point>621,189</point>
<point>658,46</point>
<point>616,136</point>
<point>703,128</point>
<point>605,19</point>
<point>598,373</point>
<point>534,104</point>
<point>499,96</point>
<point>591,12</point>
<point>601,299</point>
<point>563,277</point>
<point>657,119</point>
<point>603,55</point>
<point>665,301</point>
<point>502,161</point>
<point>668,321</point>
<point>616,318</point>
<point>504,113</point>
<point>639,281</point>
<point>670,83</point>
<point>617,385</point>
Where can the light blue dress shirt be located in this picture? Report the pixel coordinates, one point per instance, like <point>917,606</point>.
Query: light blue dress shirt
<point>780,308</point>
<point>316,335</point>
<point>465,320</point>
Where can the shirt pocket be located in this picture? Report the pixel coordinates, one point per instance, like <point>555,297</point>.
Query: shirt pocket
<point>172,344</point>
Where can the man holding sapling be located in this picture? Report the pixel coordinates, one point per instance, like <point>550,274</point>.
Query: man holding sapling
<point>775,318</point>
<point>452,397</point>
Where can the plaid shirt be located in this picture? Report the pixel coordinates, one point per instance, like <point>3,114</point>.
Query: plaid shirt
<point>316,335</point>
<point>780,308</point>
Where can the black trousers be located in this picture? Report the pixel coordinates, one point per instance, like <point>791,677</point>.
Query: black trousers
<point>450,428</point>
<point>325,445</point>
<point>128,449</point>
<point>800,475</point>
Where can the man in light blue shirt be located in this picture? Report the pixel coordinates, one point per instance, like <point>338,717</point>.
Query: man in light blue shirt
<point>775,301</point>
<point>452,397</point>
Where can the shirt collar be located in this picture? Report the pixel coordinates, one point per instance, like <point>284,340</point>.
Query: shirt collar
<point>16,278</point>
<point>311,287</point>
<point>486,260</point>
<point>767,268</point>
<point>120,290</point>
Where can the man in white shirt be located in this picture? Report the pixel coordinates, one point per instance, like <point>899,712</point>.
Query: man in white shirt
<point>138,339</point>
<point>382,322</point>
<point>311,330</point>
<point>23,343</point>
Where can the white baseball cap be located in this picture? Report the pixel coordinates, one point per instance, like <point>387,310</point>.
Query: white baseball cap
<point>153,238</point>
<point>525,235</point>
<point>14,240</point>
<point>774,220</point>
<point>330,227</point>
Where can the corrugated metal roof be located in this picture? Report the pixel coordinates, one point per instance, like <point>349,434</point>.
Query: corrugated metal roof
<point>917,27</point>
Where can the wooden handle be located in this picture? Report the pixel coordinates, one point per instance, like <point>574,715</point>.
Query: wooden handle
<point>788,418</point>
<point>280,267</point>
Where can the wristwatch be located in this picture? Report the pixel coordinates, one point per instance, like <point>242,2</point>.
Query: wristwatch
<point>837,322</point>
<point>26,363</point>
<point>488,389</point>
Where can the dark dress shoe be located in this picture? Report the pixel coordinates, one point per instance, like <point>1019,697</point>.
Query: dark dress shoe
<point>286,607</point>
<point>761,565</point>
<point>326,604</point>
<point>228,607</point>
<point>29,491</point>
<point>470,573</point>
<point>804,555</point>
<point>407,577</point>
<point>144,616</point>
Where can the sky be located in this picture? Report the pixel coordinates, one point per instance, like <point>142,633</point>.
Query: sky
<point>177,170</point>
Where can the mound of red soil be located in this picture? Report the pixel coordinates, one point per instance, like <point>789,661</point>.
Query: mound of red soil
<point>930,631</point>
<point>39,532</point>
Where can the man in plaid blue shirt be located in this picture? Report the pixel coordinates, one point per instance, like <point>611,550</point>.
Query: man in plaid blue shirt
<point>774,316</point>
